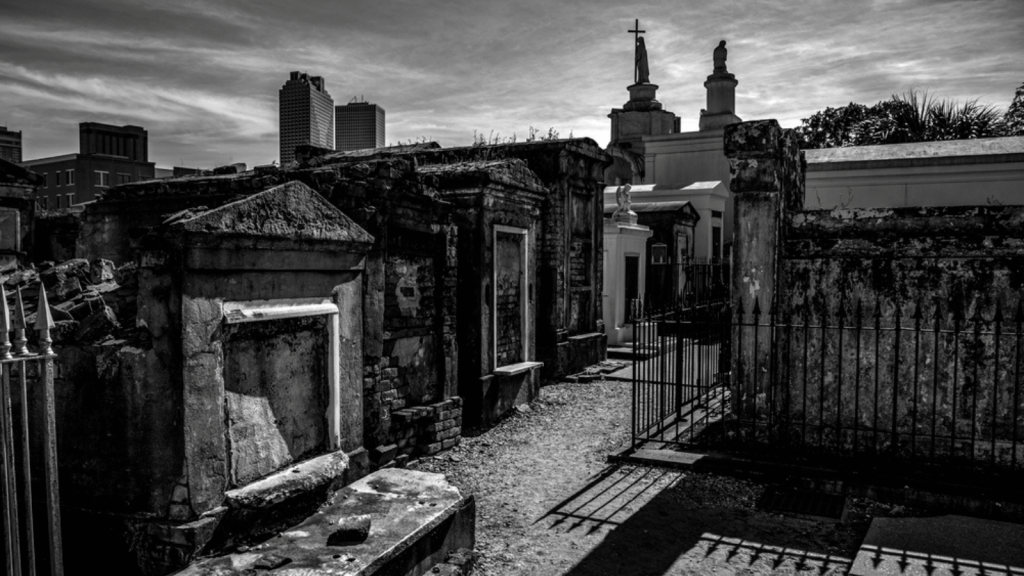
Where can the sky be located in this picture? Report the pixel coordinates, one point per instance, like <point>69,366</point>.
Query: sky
<point>203,77</point>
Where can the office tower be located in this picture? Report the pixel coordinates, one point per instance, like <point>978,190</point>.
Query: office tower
<point>358,125</point>
<point>307,114</point>
<point>10,145</point>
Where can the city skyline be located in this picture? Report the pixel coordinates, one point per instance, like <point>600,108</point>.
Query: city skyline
<point>203,78</point>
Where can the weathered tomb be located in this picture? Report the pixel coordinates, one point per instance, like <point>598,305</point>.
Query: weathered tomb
<point>410,359</point>
<point>251,363</point>
<point>410,367</point>
<point>497,208</point>
<point>570,324</point>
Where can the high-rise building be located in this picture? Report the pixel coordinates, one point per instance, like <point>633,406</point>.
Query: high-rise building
<point>307,114</point>
<point>10,145</point>
<point>358,125</point>
<point>107,156</point>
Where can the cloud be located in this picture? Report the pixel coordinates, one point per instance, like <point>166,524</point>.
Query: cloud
<point>203,77</point>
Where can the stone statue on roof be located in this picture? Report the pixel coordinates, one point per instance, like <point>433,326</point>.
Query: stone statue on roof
<point>622,198</point>
<point>643,72</point>
<point>720,55</point>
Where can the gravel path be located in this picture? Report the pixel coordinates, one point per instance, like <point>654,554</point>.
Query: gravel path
<point>547,502</point>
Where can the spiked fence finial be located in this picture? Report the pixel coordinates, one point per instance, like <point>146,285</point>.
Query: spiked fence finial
<point>19,325</point>
<point>44,322</point>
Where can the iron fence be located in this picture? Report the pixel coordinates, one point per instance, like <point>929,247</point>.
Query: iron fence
<point>28,445</point>
<point>917,386</point>
<point>905,384</point>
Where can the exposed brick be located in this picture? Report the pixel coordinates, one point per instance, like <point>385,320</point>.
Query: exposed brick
<point>432,448</point>
<point>448,443</point>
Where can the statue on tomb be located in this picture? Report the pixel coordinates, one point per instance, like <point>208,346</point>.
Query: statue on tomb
<point>720,54</point>
<point>622,198</point>
<point>643,73</point>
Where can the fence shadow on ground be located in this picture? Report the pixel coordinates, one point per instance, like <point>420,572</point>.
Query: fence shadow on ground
<point>651,526</point>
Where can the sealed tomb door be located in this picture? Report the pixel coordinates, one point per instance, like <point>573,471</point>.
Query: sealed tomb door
<point>510,296</point>
<point>277,393</point>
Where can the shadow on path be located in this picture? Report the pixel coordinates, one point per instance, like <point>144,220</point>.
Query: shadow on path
<point>670,522</point>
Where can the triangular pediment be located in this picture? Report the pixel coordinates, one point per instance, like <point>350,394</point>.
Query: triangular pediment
<point>290,211</point>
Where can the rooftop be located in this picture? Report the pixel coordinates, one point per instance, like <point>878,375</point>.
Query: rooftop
<point>650,206</point>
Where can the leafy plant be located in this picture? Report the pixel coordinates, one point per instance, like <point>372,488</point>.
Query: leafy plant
<point>1013,120</point>
<point>910,117</point>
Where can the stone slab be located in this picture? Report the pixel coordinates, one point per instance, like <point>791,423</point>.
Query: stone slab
<point>666,458</point>
<point>518,368</point>
<point>940,546</point>
<point>416,519</point>
<point>306,476</point>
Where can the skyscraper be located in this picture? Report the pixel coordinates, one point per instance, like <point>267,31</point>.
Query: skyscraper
<point>10,145</point>
<point>358,125</point>
<point>307,114</point>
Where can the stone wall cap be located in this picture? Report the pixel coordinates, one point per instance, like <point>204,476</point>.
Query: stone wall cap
<point>979,150</point>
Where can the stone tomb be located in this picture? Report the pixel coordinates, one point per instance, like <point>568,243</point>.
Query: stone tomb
<point>668,250</point>
<point>497,212</point>
<point>570,323</point>
<point>625,267</point>
<point>255,315</point>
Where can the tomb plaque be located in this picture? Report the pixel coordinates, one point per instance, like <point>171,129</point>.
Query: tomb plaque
<point>276,385</point>
<point>509,267</point>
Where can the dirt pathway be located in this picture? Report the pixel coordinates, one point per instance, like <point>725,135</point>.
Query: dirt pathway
<point>547,503</point>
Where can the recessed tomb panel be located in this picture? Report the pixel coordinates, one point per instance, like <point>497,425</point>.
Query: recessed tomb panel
<point>509,251</point>
<point>276,394</point>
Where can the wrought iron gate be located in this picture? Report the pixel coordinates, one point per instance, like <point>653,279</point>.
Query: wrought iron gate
<point>680,373</point>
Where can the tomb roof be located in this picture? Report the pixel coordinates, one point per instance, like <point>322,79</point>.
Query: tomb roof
<point>510,172</point>
<point>653,206</point>
<point>11,173</point>
<point>291,211</point>
<point>946,152</point>
<point>432,153</point>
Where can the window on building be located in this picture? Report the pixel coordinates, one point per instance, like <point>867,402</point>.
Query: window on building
<point>69,177</point>
<point>56,178</point>
<point>46,179</point>
<point>44,203</point>
<point>71,199</point>
<point>101,178</point>
<point>123,178</point>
